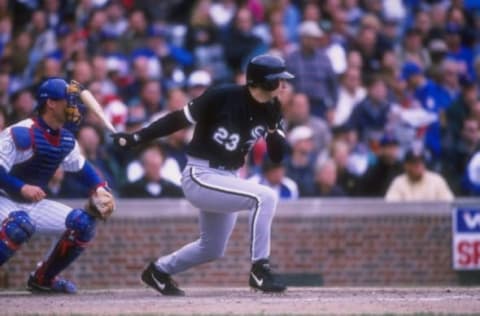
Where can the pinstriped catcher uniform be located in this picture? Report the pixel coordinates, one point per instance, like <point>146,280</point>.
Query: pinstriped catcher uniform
<point>228,122</point>
<point>30,153</point>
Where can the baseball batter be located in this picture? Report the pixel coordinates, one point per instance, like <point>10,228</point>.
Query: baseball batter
<point>30,152</point>
<point>229,120</point>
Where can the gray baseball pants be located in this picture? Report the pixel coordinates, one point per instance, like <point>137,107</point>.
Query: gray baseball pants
<point>219,195</point>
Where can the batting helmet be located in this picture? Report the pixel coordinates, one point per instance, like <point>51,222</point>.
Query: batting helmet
<point>265,71</point>
<point>53,88</point>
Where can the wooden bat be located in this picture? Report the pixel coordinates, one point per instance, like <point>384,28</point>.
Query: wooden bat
<point>89,100</point>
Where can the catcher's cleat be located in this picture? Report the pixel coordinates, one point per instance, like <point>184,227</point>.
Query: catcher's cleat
<point>261,278</point>
<point>160,281</point>
<point>56,286</point>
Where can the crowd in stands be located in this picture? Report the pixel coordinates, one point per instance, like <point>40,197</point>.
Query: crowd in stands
<point>385,102</point>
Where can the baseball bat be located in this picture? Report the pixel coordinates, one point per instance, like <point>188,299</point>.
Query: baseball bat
<point>89,100</point>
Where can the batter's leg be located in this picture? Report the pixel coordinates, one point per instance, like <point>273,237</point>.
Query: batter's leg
<point>218,191</point>
<point>215,231</point>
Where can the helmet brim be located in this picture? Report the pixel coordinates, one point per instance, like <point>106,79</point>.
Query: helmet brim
<point>281,75</point>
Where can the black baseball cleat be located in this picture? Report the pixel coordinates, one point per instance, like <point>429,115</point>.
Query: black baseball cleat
<point>261,278</point>
<point>160,281</point>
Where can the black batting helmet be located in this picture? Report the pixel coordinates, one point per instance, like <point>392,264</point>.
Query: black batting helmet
<point>265,71</point>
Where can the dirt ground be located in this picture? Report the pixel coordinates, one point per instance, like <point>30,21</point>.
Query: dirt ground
<point>242,301</point>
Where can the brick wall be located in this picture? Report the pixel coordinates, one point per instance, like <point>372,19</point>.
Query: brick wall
<point>334,243</point>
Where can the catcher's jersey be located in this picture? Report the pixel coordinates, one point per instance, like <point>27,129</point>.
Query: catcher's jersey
<point>32,154</point>
<point>228,123</point>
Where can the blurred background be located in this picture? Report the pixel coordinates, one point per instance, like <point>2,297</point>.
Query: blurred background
<point>385,96</point>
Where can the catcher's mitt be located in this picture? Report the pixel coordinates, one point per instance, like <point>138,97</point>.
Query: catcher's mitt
<point>101,204</point>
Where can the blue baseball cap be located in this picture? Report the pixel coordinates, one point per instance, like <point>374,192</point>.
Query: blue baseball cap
<point>410,69</point>
<point>52,88</point>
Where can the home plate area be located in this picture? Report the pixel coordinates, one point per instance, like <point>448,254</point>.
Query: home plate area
<point>243,301</point>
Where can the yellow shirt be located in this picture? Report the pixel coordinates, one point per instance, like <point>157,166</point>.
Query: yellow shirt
<point>432,187</point>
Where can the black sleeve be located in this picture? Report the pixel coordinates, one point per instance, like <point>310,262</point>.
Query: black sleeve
<point>276,146</point>
<point>165,125</point>
<point>201,107</point>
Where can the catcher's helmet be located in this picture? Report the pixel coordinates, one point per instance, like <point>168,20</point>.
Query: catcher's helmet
<point>265,71</point>
<point>52,88</point>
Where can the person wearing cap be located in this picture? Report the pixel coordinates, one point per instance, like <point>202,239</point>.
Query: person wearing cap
<point>315,75</point>
<point>417,183</point>
<point>228,120</point>
<point>198,81</point>
<point>457,50</point>
<point>433,98</point>
<point>300,163</point>
<point>30,153</point>
<point>387,166</point>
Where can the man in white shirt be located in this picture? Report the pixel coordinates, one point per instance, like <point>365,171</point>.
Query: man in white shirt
<point>418,183</point>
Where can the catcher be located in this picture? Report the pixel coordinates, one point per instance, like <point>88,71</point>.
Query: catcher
<point>30,152</point>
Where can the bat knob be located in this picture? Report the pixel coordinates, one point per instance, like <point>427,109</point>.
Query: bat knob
<point>122,141</point>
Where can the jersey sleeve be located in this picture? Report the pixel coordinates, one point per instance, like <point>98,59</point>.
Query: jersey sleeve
<point>8,150</point>
<point>74,160</point>
<point>201,106</point>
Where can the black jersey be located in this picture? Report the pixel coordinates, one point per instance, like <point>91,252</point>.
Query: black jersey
<point>228,123</point>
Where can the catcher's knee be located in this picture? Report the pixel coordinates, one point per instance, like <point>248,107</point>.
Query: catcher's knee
<point>82,224</point>
<point>16,229</point>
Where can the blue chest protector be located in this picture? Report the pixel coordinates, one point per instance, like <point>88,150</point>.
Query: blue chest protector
<point>48,153</point>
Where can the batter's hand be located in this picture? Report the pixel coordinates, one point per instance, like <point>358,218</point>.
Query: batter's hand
<point>125,140</point>
<point>32,193</point>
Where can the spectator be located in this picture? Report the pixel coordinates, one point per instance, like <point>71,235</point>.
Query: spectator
<point>100,74</point>
<point>23,105</point>
<point>297,113</point>
<point>198,81</point>
<point>90,140</point>
<point>151,97</point>
<point>301,162</point>
<point>273,176</point>
<point>460,152</point>
<point>350,93</point>
<point>457,50</point>
<point>346,179</point>
<point>82,72</point>
<point>136,33</point>
<point>432,97</point>
<point>280,45</point>
<point>461,108</point>
<point>94,30</point>
<point>151,184</point>
<point>387,167</point>
<point>203,40</point>
<point>116,22</point>
<point>44,41</point>
<point>326,180</point>
<point>313,70</point>
<point>370,116</point>
<point>412,49</point>
<point>417,183</point>
<point>240,44</point>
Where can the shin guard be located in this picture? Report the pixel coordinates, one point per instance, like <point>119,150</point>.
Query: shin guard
<point>80,230</point>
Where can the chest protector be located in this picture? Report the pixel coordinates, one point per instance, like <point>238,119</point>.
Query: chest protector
<point>48,153</point>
